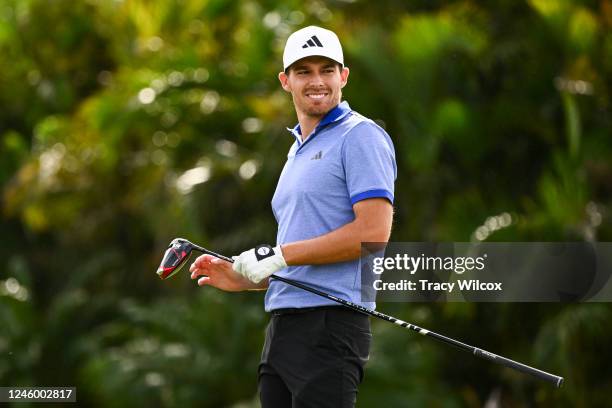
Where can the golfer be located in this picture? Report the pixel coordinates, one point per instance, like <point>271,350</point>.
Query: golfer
<point>335,192</point>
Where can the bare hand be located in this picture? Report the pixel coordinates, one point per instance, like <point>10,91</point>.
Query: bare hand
<point>219,274</point>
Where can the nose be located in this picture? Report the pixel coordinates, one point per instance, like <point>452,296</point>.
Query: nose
<point>316,79</point>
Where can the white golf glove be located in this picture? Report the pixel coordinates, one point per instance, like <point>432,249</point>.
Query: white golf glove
<point>258,263</point>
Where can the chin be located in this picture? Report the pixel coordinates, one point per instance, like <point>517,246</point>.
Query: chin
<point>319,109</point>
<point>316,111</point>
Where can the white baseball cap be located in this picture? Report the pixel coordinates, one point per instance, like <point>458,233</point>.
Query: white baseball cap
<point>311,41</point>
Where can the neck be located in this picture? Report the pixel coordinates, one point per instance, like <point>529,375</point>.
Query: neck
<point>308,123</point>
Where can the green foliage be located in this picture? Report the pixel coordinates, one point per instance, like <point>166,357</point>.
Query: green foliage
<point>127,123</point>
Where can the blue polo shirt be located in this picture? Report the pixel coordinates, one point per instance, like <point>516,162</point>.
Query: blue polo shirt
<point>348,158</point>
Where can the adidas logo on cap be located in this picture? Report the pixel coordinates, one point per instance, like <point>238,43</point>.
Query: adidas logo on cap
<point>308,42</point>
<point>313,42</point>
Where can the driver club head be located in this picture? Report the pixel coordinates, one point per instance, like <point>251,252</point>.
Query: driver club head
<point>174,259</point>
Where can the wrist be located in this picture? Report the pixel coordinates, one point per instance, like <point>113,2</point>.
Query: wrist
<point>285,250</point>
<point>258,263</point>
<point>263,285</point>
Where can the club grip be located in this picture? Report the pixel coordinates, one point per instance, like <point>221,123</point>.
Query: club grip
<point>543,375</point>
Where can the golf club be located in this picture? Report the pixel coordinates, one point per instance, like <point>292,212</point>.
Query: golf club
<point>180,249</point>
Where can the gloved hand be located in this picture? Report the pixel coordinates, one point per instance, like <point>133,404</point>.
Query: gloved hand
<point>258,263</point>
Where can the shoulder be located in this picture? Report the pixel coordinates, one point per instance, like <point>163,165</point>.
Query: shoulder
<point>360,129</point>
<point>356,121</point>
<point>356,126</point>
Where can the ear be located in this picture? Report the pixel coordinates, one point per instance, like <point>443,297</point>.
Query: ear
<point>344,74</point>
<point>284,80</point>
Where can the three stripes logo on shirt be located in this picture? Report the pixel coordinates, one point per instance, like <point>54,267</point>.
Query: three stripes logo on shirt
<point>313,42</point>
<point>317,156</point>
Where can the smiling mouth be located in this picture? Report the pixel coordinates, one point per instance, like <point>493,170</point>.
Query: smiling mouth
<point>317,96</point>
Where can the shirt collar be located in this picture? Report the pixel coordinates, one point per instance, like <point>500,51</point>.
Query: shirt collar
<point>334,115</point>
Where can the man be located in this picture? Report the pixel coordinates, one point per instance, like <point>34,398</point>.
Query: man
<point>335,192</point>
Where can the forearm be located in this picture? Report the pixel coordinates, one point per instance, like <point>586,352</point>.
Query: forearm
<point>336,246</point>
<point>342,244</point>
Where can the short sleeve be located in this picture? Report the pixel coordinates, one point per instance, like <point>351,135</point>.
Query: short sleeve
<point>369,163</point>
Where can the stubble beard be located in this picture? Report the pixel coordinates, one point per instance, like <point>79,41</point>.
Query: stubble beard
<point>317,112</point>
<point>321,109</point>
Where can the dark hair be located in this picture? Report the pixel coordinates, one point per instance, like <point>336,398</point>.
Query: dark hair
<point>340,66</point>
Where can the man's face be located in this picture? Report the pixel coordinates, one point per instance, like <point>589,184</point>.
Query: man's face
<point>315,83</point>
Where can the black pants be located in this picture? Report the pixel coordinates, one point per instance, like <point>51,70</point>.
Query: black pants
<point>314,358</point>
